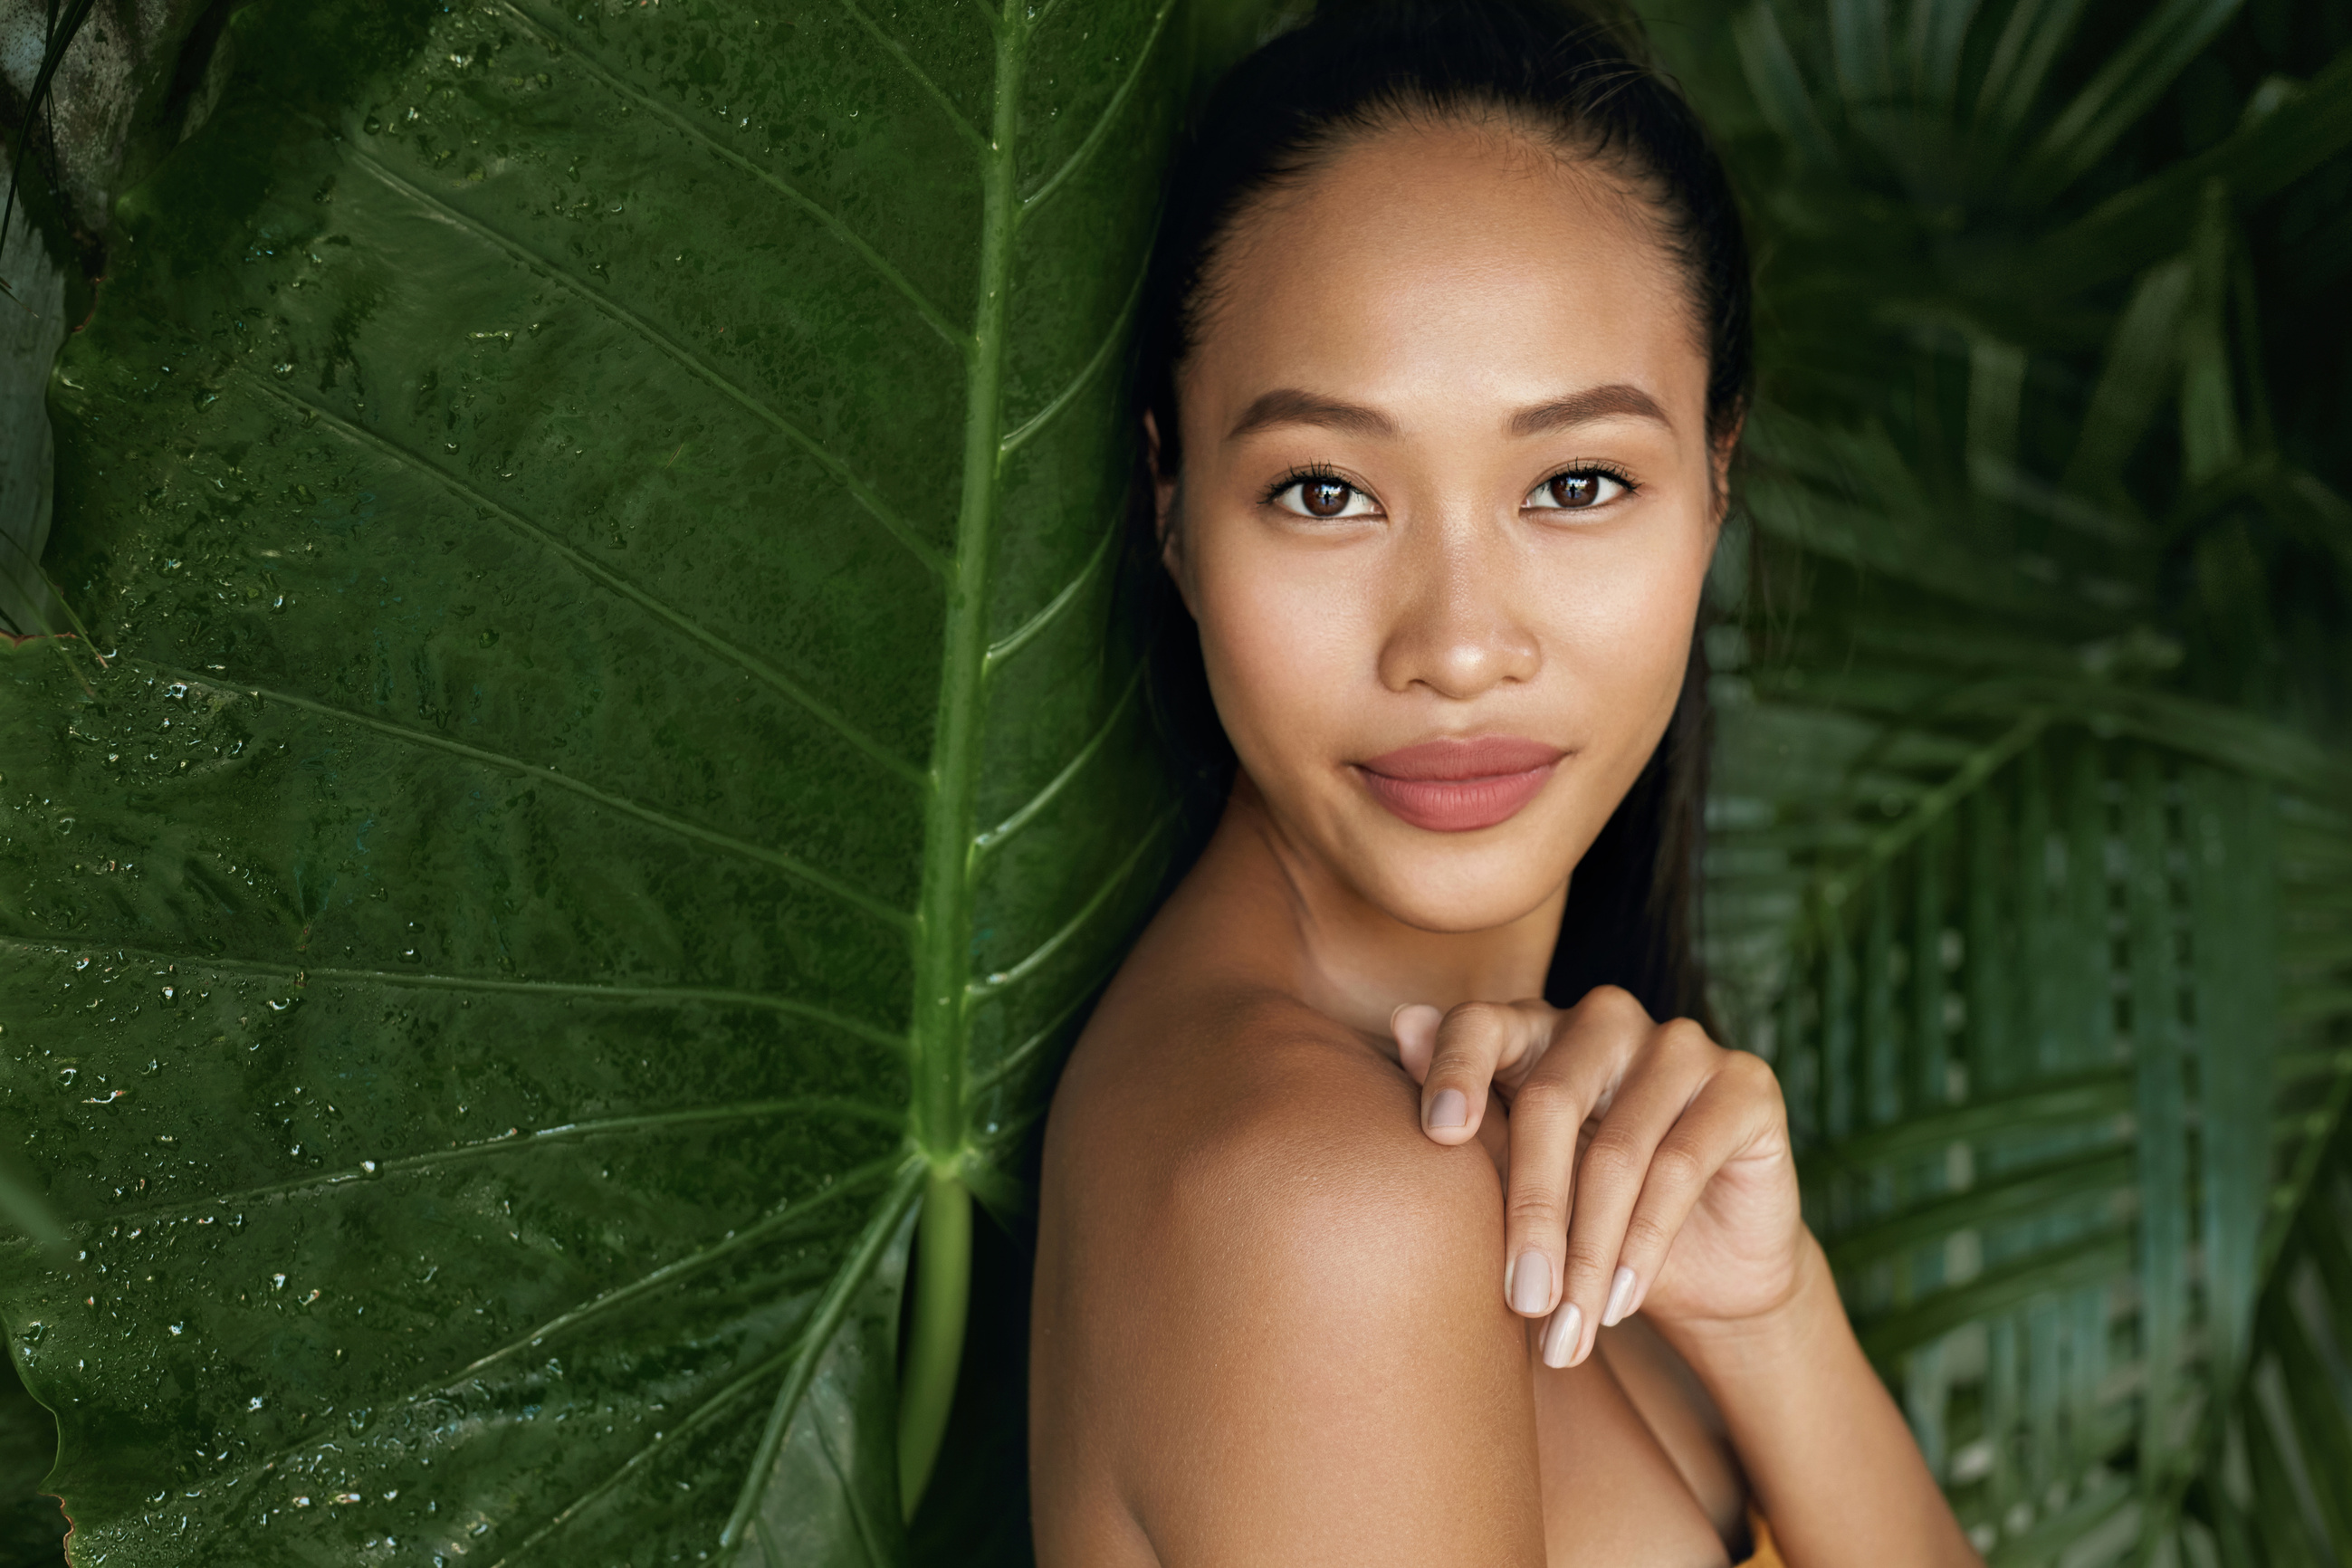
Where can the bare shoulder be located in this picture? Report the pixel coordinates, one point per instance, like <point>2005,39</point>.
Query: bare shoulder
<point>1251,1115</point>
<point>1268,1309</point>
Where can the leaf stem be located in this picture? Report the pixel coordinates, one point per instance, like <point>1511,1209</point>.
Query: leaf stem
<point>941,1024</point>
<point>943,1299</point>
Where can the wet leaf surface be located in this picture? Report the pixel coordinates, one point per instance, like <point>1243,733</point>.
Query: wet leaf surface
<point>605,763</point>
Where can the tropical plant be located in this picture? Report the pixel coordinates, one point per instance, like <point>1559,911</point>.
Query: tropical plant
<point>2033,814</point>
<point>592,775</point>
<point>595,769</point>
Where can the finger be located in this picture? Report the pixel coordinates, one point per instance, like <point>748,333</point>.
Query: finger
<point>1658,1087</point>
<point>1738,1103</point>
<point>1473,1043</point>
<point>1586,1056</point>
<point>1413,1026</point>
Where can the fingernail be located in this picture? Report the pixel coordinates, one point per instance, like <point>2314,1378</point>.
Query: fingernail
<point>1559,1339</point>
<point>1450,1109</point>
<point>1620,1296</point>
<point>1529,1286</point>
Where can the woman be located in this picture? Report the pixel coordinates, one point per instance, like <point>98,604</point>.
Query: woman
<point>1352,1250</point>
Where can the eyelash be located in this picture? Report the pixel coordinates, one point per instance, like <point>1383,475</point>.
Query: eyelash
<point>1314,473</point>
<point>1609,471</point>
<point>1320,473</point>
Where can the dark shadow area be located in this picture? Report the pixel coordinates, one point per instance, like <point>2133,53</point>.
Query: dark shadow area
<point>32,1527</point>
<point>977,1506</point>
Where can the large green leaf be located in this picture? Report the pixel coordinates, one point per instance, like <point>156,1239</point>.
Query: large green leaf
<point>594,777</point>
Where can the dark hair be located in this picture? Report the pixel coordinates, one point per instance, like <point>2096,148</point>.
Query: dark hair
<point>1360,66</point>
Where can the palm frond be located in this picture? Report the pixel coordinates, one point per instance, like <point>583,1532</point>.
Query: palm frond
<point>2028,840</point>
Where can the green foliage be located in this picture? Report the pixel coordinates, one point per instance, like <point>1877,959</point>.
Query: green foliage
<point>2030,827</point>
<point>607,775</point>
<point>594,777</point>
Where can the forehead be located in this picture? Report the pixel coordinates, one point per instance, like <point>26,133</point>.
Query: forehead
<point>1449,260</point>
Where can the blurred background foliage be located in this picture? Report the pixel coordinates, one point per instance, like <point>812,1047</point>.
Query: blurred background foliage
<point>2030,861</point>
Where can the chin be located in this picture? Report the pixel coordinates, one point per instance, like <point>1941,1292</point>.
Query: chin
<point>1459,887</point>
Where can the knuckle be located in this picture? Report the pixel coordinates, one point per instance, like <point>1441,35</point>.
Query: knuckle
<point>1645,1236</point>
<point>1676,1167</point>
<point>1685,1039</point>
<point>1751,1074</point>
<point>1614,1004</point>
<point>1612,1154</point>
<point>1589,1262</point>
<point>1544,1099</point>
<point>1536,1209</point>
<point>1472,1028</point>
<point>1478,1014</point>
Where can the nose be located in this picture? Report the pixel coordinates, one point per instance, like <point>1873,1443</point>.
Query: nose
<point>1455,629</point>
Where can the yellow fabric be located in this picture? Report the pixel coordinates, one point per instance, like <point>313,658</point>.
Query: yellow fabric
<point>1766,1555</point>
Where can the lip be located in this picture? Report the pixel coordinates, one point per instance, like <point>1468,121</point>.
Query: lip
<point>1460,786</point>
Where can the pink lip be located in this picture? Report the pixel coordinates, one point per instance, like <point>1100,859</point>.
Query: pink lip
<point>1460,786</point>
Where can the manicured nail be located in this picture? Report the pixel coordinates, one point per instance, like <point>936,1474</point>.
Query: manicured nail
<point>1621,1297</point>
<point>1450,1109</point>
<point>1529,1286</point>
<point>1567,1327</point>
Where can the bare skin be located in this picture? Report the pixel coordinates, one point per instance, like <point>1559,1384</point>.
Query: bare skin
<point>1343,1237</point>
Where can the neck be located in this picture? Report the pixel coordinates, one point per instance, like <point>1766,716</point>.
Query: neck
<point>1309,931</point>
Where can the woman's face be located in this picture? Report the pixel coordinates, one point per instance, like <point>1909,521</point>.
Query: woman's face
<point>1446,506</point>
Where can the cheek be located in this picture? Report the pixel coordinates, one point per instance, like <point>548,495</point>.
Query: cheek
<point>1283,639</point>
<point>1623,624</point>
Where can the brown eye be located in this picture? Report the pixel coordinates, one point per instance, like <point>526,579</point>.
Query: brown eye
<point>1322,497</point>
<point>1577,490</point>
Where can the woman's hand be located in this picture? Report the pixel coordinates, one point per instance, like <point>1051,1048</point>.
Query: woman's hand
<point>1649,1167</point>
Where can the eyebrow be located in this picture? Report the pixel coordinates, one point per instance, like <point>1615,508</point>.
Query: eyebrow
<point>1290,405</point>
<point>1615,401</point>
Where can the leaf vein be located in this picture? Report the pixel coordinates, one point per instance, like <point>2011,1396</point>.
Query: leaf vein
<point>742,660</point>
<point>817,1337</point>
<point>792,865</point>
<point>426,981</point>
<point>1044,797</point>
<point>1010,643</point>
<point>970,131</point>
<point>1086,150</point>
<point>865,494</point>
<point>669,1273</point>
<point>1004,979</point>
<point>1102,356</point>
<point>849,236</point>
